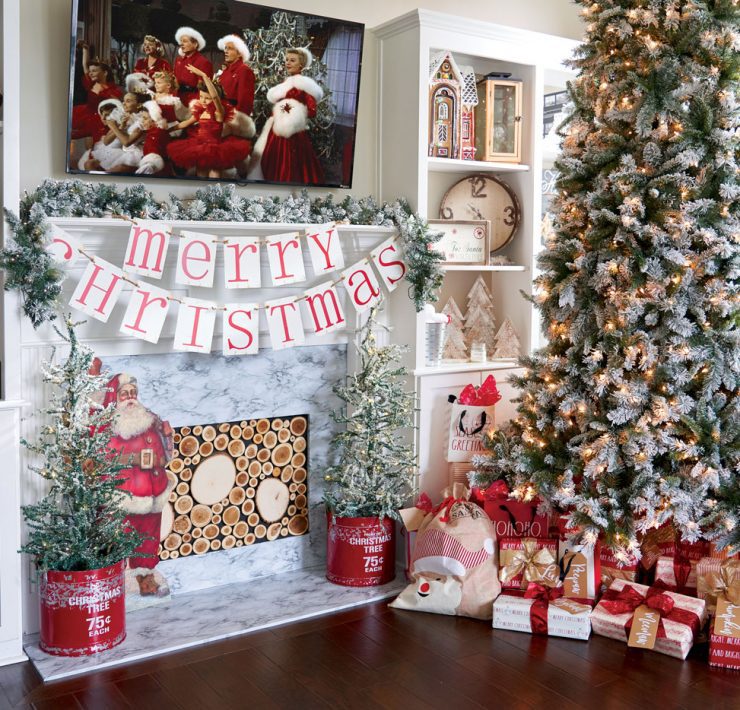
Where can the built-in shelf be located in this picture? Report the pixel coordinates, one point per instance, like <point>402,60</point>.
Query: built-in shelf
<point>481,267</point>
<point>449,165</point>
<point>447,368</point>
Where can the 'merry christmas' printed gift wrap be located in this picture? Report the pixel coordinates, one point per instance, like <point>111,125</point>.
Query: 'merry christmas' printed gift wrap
<point>677,618</point>
<point>718,579</point>
<point>528,559</point>
<point>678,575</point>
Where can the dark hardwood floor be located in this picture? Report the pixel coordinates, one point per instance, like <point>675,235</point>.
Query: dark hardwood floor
<point>375,657</point>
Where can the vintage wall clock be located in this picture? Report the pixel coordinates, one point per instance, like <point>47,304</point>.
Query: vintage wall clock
<point>484,197</point>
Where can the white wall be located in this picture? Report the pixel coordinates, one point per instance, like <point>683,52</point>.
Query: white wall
<point>45,37</point>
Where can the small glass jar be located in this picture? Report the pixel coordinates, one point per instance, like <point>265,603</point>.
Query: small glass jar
<point>477,351</point>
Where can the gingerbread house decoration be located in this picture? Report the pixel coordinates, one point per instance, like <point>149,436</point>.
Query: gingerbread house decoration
<point>469,100</point>
<point>445,106</point>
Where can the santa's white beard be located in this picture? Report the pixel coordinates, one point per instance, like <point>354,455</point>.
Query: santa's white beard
<point>131,418</point>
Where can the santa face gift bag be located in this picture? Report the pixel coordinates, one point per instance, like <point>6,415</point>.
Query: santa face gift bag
<point>453,569</point>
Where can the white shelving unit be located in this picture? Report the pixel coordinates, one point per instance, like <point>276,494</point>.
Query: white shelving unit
<point>404,168</point>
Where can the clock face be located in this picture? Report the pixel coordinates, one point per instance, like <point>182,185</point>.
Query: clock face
<point>484,197</point>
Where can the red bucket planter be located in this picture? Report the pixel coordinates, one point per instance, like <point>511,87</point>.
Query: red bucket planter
<point>83,613</point>
<point>360,552</point>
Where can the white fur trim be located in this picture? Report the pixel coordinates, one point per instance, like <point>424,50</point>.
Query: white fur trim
<point>158,502</point>
<point>297,81</point>
<point>83,159</point>
<point>140,570</point>
<point>287,123</point>
<point>254,172</point>
<point>138,82</point>
<point>155,113</point>
<point>305,52</point>
<point>240,125</point>
<point>440,564</point>
<point>136,505</point>
<point>190,32</point>
<point>125,379</point>
<point>239,43</point>
<point>110,102</point>
<point>151,163</point>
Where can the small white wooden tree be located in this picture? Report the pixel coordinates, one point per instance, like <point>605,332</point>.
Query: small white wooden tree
<point>507,346</point>
<point>455,347</point>
<point>480,323</point>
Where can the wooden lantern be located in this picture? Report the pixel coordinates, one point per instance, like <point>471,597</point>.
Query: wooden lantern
<point>499,119</point>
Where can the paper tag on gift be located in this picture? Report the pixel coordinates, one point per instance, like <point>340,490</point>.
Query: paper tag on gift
<point>571,606</point>
<point>575,583</point>
<point>727,619</point>
<point>645,624</point>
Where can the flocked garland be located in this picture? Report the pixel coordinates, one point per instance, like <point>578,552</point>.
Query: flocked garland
<point>31,270</point>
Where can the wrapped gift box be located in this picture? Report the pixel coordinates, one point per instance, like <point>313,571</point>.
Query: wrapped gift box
<point>724,651</point>
<point>561,617</point>
<point>717,578</point>
<point>687,616</point>
<point>580,569</point>
<point>525,559</point>
<point>678,575</point>
<point>610,569</point>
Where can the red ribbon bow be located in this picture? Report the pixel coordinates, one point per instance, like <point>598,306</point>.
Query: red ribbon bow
<point>483,396</point>
<point>629,598</point>
<point>498,489</point>
<point>425,504</point>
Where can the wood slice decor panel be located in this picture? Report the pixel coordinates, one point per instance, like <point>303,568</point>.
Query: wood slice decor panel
<point>237,484</point>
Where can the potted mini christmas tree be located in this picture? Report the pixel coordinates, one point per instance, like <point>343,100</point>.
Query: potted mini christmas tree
<point>375,469</point>
<point>76,532</point>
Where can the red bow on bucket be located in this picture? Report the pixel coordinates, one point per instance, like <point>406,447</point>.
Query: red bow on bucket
<point>629,598</point>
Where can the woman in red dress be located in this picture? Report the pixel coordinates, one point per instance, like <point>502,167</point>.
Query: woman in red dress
<point>86,122</point>
<point>153,60</point>
<point>206,149</point>
<point>157,138</point>
<point>191,42</point>
<point>284,152</point>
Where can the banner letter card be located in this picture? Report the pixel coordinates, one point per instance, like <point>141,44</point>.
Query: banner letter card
<point>196,259</point>
<point>242,262</point>
<point>98,290</point>
<point>194,329</point>
<point>387,260</point>
<point>324,308</point>
<point>286,259</point>
<point>285,323</point>
<point>147,249</point>
<point>146,313</point>
<point>241,329</point>
<point>362,285</point>
<point>324,248</point>
<point>63,247</point>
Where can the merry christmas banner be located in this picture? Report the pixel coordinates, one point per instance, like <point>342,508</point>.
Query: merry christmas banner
<point>102,284</point>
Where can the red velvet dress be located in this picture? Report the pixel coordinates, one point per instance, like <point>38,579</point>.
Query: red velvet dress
<point>147,488</point>
<point>186,79</point>
<point>292,159</point>
<point>205,148</point>
<point>237,81</point>
<point>142,66</point>
<point>85,119</point>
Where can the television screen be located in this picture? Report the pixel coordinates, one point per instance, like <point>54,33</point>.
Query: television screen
<point>222,90</point>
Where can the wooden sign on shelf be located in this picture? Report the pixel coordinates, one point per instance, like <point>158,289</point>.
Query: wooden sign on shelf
<point>236,483</point>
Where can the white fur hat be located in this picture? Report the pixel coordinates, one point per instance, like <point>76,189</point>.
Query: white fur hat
<point>138,83</point>
<point>152,108</point>
<point>239,43</point>
<point>190,32</point>
<point>304,51</point>
<point>115,103</point>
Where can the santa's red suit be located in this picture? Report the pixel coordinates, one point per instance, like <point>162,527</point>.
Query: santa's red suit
<point>186,79</point>
<point>285,149</point>
<point>237,81</point>
<point>145,476</point>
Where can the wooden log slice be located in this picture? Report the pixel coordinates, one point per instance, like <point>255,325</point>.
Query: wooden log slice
<point>183,505</point>
<point>252,422</point>
<point>272,499</point>
<point>301,501</point>
<point>249,539</point>
<point>235,431</point>
<point>213,479</point>
<point>283,435</point>
<point>268,468</point>
<point>221,442</point>
<point>186,474</point>
<point>197,430</point>
<point>257,438</point>
<point>182,524</point>
<point>209,433</point>
<point>292,510</point>
<point>251,451</point>
<point>298,525</point>
<point>299,444</point>
<point>187,537</point>
<point>225,502</point>
<point>216,519</point>
<point>237,496</point>
<point>206,448</point>
<point>216,544</point>
<point>195,460</point>
<point>273,531</point>
<point>248,507</point>
<point>276,424</point>
<point>247,432</point>
<point>174,554</point>
<point>298,425</point>
<point>302,488</point>
<point>168,518</point>
<point>188,446</point>
<point>253,482</point>
<point>164,554</point>
<point>197,532</point>
<point>263,455</point>
<point>253,519</point>
<point>250,492</point>
<point>239,543</point>
<point>270,439</point>
<point>172,542</point>
<point>298,460</point>
<point>200,546</point>
<point>286,519</point>
<point>299,475</point>
<point>241,529</point>
<point>263,425</point>
<point>293,487</point>
<point>226,529</point>
<point>185,549</point>
<point>236,447</point>
<point>187,460</point>
<point>241,479</point>
<point>182,488</point>
<point>224,427</point>
<point>281,454</point>
<point>260,531</point>
<point>241,465</point>
<point>185,430</point>
<point>228,542</point>
<point>176,438</point>
<point>176,465</point>
<point>284,532</point>
<point>172,497</point>
<point>200,515</point>
<point>286,474</point>
<point>217,508</point>
<point>210,531</point>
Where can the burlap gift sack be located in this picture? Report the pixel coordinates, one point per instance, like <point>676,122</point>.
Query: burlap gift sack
<point>454,566</point>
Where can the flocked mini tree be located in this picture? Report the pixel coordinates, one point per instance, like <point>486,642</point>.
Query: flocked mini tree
<point>79,524</point>
<point>629,417</point>
<point>375,468</point>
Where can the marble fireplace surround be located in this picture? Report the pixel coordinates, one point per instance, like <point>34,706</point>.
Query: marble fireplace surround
<point>188,389</point>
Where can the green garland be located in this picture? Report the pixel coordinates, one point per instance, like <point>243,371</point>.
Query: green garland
<point>31,270</point>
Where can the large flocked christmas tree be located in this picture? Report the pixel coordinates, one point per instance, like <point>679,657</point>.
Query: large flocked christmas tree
<point>630,417</point>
